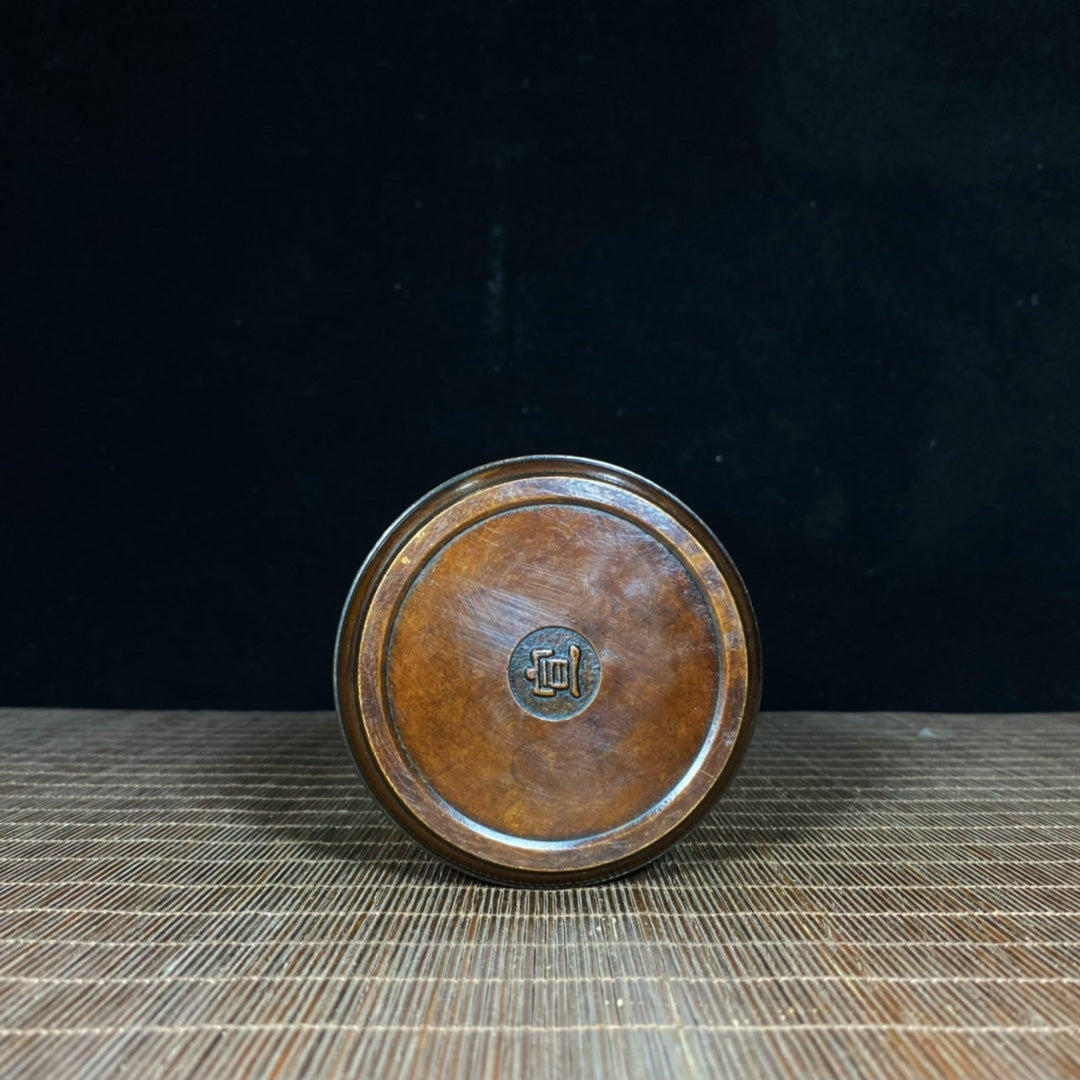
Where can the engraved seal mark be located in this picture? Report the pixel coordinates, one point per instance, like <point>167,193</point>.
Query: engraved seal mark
<point>554,673</point>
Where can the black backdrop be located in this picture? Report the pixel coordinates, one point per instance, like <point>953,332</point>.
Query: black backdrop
<point>273,270</point>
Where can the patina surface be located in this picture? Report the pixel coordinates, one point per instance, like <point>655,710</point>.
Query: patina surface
<point>547,670</point>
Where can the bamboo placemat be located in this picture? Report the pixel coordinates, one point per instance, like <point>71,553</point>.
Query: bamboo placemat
<point>214,894</point>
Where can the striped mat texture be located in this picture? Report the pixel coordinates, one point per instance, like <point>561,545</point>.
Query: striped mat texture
<point>215,894</point>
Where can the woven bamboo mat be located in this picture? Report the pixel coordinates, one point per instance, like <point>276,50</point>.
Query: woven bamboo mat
<point>214,894</point>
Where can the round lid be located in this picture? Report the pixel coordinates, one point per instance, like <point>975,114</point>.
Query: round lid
<point>547,670</point>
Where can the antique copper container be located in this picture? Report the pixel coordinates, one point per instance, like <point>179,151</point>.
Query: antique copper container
<point>547,670</point>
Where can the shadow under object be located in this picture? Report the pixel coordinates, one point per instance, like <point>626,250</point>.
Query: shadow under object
<point>547,670</point>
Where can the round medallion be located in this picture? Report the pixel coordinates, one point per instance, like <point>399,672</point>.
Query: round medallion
<point>547,670</point>
<point>554,673</point>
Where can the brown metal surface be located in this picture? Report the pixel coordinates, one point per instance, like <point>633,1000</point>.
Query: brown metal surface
<point>877,897</point>
<point>547,671</point>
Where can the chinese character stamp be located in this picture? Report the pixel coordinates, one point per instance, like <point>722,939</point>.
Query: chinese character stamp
<point>551,673</point>
<point>554,673</point>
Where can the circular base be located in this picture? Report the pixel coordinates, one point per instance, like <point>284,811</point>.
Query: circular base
<point>547,670</point>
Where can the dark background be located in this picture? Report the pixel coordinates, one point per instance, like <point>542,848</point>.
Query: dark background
<point>273,270</point>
